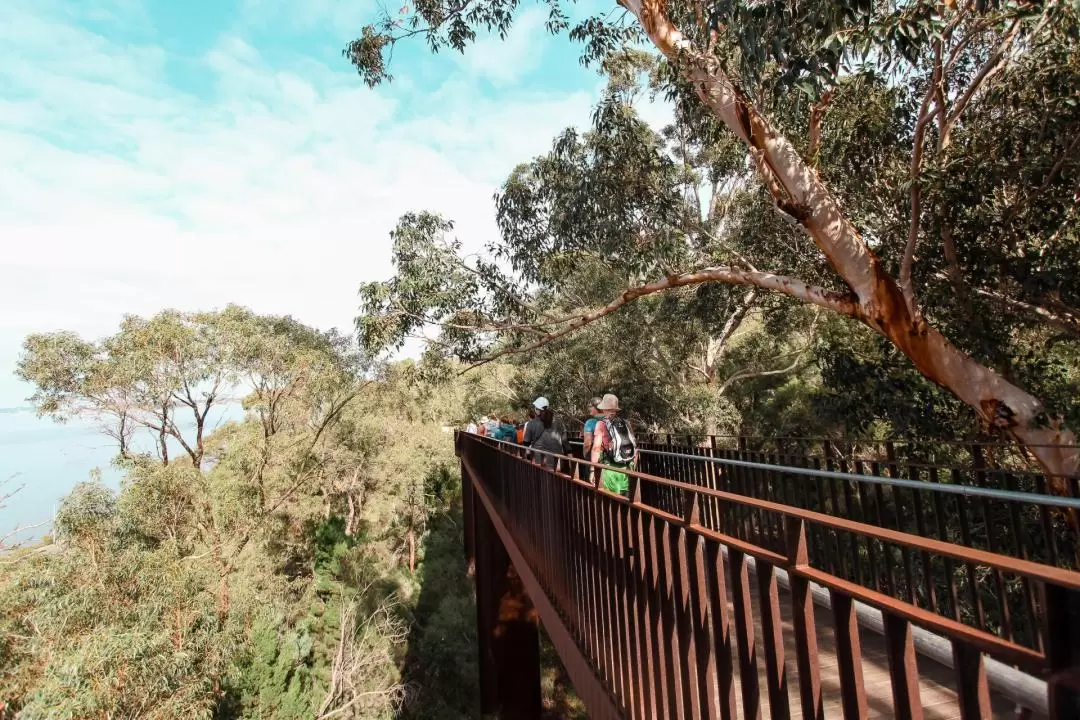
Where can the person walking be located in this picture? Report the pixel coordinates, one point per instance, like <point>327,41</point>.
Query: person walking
<point>587,434</point>
<point>546,432</point>
<point>595,415</point>
<point>613,445</point>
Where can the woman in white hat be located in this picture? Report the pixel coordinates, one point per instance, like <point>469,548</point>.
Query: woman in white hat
<point>546,432</point>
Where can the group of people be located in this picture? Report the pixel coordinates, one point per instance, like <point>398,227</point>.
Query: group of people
<point>607,438</point>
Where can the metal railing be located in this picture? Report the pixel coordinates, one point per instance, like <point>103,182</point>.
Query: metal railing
<point>642,582</point>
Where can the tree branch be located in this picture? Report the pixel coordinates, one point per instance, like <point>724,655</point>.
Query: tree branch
<point>993,65</point>
<point>1065,319</point>
<point>843,303</point>
<point>817,113</point>
<point>914,173</point>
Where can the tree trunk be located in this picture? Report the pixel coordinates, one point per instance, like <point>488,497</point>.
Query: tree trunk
<point>799,192</point>
<point>412,551</point>
<point>350,520</point>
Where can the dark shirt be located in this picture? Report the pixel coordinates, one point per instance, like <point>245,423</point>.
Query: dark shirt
<point>553,439</point>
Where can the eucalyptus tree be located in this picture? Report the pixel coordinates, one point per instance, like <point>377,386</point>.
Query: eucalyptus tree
<point>950,214</point>
<point>142,378</point>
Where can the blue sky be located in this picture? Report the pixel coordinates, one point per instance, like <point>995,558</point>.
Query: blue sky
<point>161,154</point>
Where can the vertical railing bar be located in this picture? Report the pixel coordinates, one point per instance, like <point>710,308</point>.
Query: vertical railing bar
<point>705,660</point>
<point>943,535</point>
<point>849,511</point>
<point>646,590</point>
<point>903,668</point>
<point>603,598</point>
<point>898,508</point>
<point>608,629</point>
<point>927,567</point>
<point>692,614</point>
<point>591,580</point>
<point>670,617</point>
<point>973,693</point>
<point>848,656</point>
<point>979,461</point>
<point>744,634</point>
<point>871,548</point>
<point>626,619</point>
<point>682,600</point>
<point>618,558</point>
<point>879,508</point>
<point>1020,551</point>
<point>772,633</point>
<point>965,538</point>
<point>638,704</point>
<point>723,680</point>
<point>662,617</point>
<point>802,612</point>
<point>836,510</point>
<point>1048,531</point>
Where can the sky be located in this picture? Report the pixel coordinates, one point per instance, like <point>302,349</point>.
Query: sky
<point>158,154</point>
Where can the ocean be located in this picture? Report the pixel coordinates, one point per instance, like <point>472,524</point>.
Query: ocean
<point>41,461</point>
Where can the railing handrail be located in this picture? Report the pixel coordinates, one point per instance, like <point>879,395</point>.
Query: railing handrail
<point>972,491</point>
<point>987,642</point>
<point>969,491</point>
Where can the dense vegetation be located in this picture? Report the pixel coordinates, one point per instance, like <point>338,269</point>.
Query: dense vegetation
<point>304,562</point>
<point>843,185</point>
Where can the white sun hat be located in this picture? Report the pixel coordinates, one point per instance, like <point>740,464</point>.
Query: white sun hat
<point>540,403</point>
<point>609,402</point>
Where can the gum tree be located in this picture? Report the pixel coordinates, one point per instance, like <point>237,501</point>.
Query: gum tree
<point>955,63</point>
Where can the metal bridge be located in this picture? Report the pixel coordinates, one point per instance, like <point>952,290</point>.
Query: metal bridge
<point>767,580</point>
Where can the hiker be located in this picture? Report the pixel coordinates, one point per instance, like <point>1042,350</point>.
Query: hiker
<point>521,427</point>
<point>505,429</point>
<point>613,445</point>
<point>587,435</point>
<point>546,432</point>
<point>471,427</point>
<point>590,426</point>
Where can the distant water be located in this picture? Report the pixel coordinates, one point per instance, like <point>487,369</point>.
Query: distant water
<point>47,459</point>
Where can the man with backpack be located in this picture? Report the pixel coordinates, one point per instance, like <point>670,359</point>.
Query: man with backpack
<point>613,445</point>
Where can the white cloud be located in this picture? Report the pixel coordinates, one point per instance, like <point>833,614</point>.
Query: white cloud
<point>120,193</point>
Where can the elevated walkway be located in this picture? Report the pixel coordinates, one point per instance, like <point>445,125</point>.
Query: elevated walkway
<point>689,600</point>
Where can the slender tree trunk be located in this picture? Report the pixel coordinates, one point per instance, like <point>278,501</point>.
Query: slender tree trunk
<point>798,191</point>
<point>350,520</point>
<point>412,551</point>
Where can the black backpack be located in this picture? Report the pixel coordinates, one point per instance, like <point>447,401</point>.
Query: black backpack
<point>622,441</point>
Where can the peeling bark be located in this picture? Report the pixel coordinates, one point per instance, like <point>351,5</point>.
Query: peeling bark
<point>879,303</point>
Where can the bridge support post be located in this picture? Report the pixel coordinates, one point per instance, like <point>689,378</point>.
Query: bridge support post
<point>508,633</point>
<point>468,512</point>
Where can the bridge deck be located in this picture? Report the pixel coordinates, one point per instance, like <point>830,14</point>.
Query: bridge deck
<point>937,682</point>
